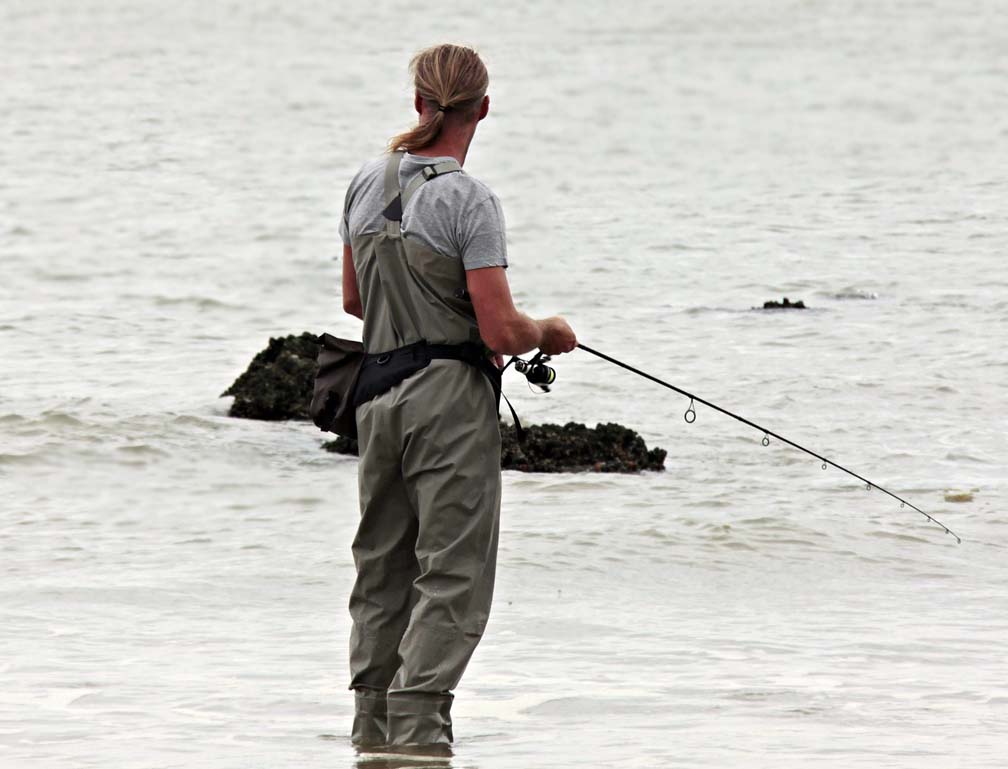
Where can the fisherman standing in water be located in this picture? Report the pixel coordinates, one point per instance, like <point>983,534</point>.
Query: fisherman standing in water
<point>424,261</point>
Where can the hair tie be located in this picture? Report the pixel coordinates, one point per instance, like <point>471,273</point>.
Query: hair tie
<point>441,108</point>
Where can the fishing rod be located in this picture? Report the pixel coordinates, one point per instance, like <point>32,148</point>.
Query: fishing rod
<point>537,365</point>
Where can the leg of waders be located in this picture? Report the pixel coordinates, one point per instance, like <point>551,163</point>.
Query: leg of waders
<point>451,464</point>
<point>383,550</point>
<point>370,724</point>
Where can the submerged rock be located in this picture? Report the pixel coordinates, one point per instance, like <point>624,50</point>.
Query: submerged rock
<point>959,496</point>
<point>278,385</point>
<point>787,304</point>
<point>573,447</point>
<point>278,382</point>
<point>606,448</point>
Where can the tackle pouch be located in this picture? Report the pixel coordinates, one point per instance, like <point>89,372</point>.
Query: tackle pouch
<point>383,371</point>
<point>332,406</point>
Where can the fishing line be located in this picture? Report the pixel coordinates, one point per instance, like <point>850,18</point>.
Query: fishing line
<point>690,417</point>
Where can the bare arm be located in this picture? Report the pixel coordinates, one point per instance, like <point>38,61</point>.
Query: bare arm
<point>351,294</point>
<point>506,330</point>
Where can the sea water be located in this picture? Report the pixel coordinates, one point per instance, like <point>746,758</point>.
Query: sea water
<point>174,581</point>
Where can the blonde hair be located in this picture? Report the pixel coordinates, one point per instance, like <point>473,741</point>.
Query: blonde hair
<point>451,78</point>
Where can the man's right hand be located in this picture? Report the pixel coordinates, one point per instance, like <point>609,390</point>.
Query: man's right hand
<point>557,336</point>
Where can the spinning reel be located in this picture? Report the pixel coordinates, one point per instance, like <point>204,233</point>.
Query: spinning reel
<point>536,371</point>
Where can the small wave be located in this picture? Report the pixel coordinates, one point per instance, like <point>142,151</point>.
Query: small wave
<point>703,310</point>
<point>667,247</point>
<point>19,459</point>
<point>934,575</point>
<point>200,302</point>
<point>963,457</point>
<point>197,421</point>
<point>763,521</point>
<point>850,294</point>
<point>276,235</point>
<point>63,277</point>
<point>59,419</point>
<point>735,545</point>
<point>141,449</point>
<point>710,503</point>
<point>902,537</point>
<point>660,536</point>
<point>579,707</point>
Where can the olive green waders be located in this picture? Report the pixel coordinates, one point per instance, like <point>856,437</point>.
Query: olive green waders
<point>429,481</point>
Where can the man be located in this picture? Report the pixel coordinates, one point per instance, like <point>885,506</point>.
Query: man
<point>424,263</point>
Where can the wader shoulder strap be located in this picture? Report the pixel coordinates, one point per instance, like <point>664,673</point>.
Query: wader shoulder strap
<point>393,199</point>
<point>390,272</point>
<point>396,198</point>
<point>426,174</point>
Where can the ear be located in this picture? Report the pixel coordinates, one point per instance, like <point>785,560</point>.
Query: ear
<point>417,102</point>
<point>484,107</point>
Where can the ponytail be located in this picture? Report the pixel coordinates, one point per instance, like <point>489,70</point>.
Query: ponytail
<point>450,78</point>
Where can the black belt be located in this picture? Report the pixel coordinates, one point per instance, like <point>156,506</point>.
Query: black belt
<point>381,372</point>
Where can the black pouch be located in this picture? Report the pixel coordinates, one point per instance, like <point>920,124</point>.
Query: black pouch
<point>383,371</point>
<point>332,406</point>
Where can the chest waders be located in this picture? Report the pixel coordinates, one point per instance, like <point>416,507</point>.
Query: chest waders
<point>429,482</point>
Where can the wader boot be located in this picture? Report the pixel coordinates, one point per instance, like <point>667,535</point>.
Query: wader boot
<point>370,721</point>
<point>429,481</point>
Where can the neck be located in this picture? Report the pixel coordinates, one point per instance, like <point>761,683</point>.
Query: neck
<point>453,141</point>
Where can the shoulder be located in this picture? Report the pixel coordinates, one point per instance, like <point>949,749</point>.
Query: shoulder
<point>479,190</point>
<point>366,188</point>
<point>371,170</point>
<point>460,186</point>
<point>467,192</point>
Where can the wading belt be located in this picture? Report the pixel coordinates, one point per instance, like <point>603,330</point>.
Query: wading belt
<point>381,372</point>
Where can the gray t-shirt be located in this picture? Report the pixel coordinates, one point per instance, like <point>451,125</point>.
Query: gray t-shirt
<point>453,214</point>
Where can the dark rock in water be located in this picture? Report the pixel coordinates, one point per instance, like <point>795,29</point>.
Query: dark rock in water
<point>343,445</point>
<point>573,447</point>
<point>278,382</point>
<point>278,385</point>
<point>787,304</point>
<point>606,448</point>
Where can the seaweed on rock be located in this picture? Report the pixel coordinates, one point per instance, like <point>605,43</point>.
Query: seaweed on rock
<point>278,382</point>
<point>606,448</point>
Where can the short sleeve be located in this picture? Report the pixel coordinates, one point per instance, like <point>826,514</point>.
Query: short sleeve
<point>344,225</point>
<point>481,240</point>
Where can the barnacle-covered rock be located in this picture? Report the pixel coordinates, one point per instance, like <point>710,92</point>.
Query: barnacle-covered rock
<point>278,382</point>
<point>787,304</point>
